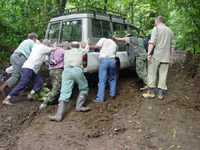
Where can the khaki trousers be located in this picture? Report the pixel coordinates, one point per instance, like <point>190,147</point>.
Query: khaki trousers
<point>153,67</point>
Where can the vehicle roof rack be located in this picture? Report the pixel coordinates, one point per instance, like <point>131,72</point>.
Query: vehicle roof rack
<point>94,11</point>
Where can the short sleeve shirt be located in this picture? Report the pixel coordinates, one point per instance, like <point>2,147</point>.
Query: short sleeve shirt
<point>108,48</point>
<point>25,47</point>
<point>36,57</point>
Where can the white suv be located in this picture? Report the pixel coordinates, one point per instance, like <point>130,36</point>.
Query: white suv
<point>88,22</point>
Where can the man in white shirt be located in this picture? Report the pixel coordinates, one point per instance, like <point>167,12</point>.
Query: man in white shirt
<point>108,49</point>
<point>30,71</point>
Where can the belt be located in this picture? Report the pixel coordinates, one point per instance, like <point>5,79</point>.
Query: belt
<point>20,54</point>
<point>107,58</point>
<point>70,66</point>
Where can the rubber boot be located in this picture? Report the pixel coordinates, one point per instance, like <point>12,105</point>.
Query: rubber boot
<point>61,109</point>
<point>80,101</point>
<point>44,104</point>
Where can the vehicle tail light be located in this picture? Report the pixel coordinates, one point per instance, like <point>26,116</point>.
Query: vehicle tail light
<point>85,61</point>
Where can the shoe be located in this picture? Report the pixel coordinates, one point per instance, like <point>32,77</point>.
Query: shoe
<point>95,101</point>
<point>160,96</point>
<point>31,97</point>
<point>144,88</point>
<point>7,102</point>
<point>112,97</point>
<point>42,106</point>
<point>148,95</point>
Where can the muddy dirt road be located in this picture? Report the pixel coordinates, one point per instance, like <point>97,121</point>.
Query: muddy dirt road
<point>129,122</point>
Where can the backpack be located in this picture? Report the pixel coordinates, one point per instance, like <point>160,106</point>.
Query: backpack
<point>134,49</point>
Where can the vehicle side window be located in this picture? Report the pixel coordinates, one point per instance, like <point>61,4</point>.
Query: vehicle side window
<point>54,32</point>
<point>106,28</point>
<point>100,28</point>
<point>120,30</point>
<point>96,28</point>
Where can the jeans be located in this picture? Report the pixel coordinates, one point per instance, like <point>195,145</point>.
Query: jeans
<point>105,66</point>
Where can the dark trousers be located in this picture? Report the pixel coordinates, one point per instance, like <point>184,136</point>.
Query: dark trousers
<point>27,76</point>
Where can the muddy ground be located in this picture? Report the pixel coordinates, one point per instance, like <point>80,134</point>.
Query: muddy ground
<point>129,122</point>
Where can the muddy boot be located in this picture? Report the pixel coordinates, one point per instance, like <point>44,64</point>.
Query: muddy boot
<point>80,101</point>
<point>60,112</point>
<point>149,94</point>
<point>31,97</point>
<point>44,104</point>
<point>160,94</point>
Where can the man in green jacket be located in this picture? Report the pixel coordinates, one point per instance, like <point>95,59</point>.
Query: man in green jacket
<point>73,73</point>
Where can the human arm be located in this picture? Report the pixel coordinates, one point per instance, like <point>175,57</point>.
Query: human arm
<point>172,55</point>
<point>98,45</point>
<point>119,39</point>
<point>173,45</point>
<point>150,48</point>
<point>94,47</point>
<point>48,50</point>
<point>87,47</point>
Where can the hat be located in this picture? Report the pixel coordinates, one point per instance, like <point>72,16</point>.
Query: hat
<point>128,35</point>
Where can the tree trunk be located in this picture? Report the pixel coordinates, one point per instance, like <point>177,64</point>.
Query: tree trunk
<point>61,6</point>
<point>105,4</point>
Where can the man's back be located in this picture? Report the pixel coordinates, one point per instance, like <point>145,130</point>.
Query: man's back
<point>74,56</point>
<point>25,47</point>
<point>163,39</point>
<point>108,48</point>
<point>36,57</point>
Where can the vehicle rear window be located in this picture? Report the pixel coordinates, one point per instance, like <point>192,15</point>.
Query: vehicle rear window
<point>71,31</point>
<point>100,28</point>
<point>54,32</point>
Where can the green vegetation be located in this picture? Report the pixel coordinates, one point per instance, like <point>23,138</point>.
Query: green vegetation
<point>20,17</point>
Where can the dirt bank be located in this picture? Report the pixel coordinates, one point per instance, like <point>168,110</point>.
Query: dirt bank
<point>129,122</point>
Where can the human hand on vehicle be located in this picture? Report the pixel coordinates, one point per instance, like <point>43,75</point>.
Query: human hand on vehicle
<point>87,41</point>
<point>54,46</point>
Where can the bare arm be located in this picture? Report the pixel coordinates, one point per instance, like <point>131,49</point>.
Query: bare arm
<point>119,39</point>
<point>53,49</point>
<point>94,47</point>
<point>172,55</point>
<point>150,48</point>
